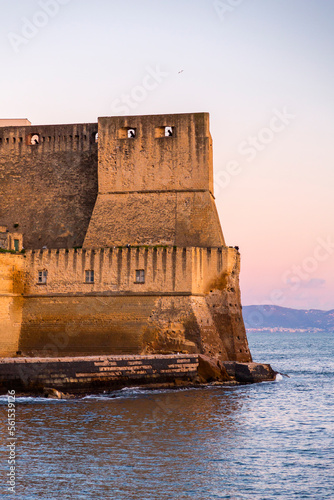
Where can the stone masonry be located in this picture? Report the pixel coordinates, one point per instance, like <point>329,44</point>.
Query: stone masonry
<point>123,248</point>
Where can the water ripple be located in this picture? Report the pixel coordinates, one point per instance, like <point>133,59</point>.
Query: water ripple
<point>255,442</point>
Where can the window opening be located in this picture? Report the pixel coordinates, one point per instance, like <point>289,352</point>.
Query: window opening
<point>169,131</point>
<point>140,276</point>
<point>42,277</point>
<point>89,276</point>
<point>34,139</point>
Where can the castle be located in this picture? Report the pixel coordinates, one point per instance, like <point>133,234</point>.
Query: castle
<point>110,241</point>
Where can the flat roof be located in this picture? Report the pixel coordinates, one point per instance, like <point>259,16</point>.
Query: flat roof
<point>14,122</point>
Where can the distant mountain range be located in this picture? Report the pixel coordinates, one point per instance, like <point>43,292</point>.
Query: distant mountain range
<point>275,318</point>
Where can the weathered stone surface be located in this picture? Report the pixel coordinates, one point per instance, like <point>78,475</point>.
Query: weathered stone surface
<point>152,212</point>
<point>94,373</point>
<point>48,190</point>
<point>166,181</point>
<point>210,370</point>
<point>10,240</point>
<point>181,307</point>
<point>57,377</point>
<point>11,302</point>
<point>248,373</point>
<point>54,393</point>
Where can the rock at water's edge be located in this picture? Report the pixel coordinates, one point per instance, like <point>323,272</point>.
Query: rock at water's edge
<point>249,373</point>
<point>210,370</point>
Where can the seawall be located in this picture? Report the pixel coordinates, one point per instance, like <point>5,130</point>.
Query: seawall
<point>89,374</point>
<point>94,373</point>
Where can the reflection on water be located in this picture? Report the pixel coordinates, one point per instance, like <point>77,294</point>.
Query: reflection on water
<point>262,441</point>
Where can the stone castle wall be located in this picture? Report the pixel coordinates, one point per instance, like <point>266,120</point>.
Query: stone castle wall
<point>48,189</point>
<point>11,301</point>
<point>188,303</point>
<point>167,269</point>
<point>138,198</point>
<point>155,188</point>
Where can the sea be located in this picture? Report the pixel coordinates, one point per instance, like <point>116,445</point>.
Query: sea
<point>263,441</point>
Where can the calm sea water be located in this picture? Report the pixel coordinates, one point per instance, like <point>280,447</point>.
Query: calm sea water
<point>264,441</point>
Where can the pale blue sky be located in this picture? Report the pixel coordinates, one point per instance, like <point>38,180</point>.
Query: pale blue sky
<point>242,61</point>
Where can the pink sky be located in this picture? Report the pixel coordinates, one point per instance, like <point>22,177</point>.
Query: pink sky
<point>247,63</point>
<point>278,208</point>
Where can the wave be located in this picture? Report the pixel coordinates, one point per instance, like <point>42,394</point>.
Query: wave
<point>30,399</point>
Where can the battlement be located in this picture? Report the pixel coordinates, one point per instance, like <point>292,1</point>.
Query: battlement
<point>41,139</point>
<point>141,270</point>
<point>122,300</point>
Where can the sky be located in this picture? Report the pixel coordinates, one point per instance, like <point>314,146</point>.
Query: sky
<point>264,71</point>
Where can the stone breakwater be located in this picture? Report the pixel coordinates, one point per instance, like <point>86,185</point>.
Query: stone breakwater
<point>99,373</point>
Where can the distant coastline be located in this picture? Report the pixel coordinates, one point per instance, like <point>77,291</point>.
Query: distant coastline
<point>287,330</point>
<point>275,319</point>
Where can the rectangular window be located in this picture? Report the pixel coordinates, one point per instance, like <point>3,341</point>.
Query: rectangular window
<point>16,245</point>
<point>140,276</point>
<point>127,133</point>
<point>42,277</point>
<point>89,276</point>
<point>165,131</point>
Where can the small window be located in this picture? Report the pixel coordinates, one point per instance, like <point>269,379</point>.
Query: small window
<point>127,133</point>
<point>16,245</point>
<point>34,139</point>
<point>42,277</point>
<point>169,131</point>
<point>89,276</point>
<point>140,276</point>
<point>165,131</point>
<point>96,137</point>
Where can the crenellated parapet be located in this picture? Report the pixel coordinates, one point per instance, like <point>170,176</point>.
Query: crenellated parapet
<point>134,270</point>
<point>37,140</point>
<point>125,300</point>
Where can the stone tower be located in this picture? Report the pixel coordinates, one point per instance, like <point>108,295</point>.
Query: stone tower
<point>155,178</point>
